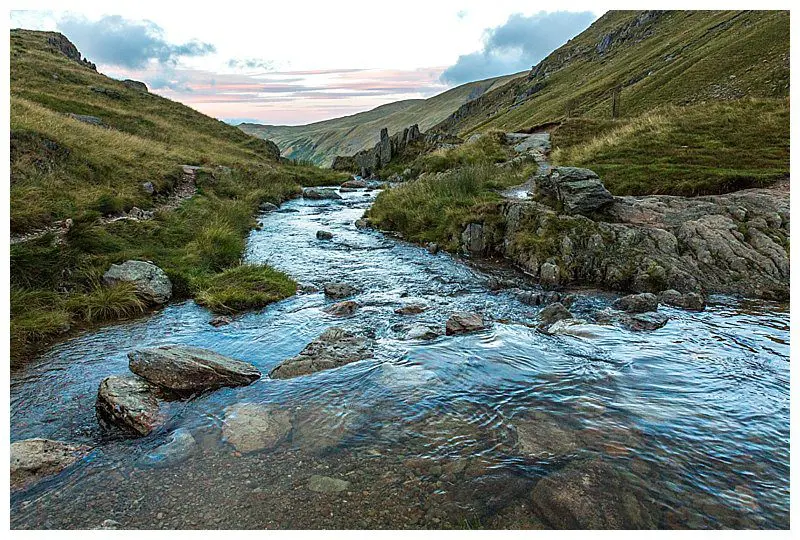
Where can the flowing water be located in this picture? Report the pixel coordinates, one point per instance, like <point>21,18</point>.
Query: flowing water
<point>457,431</point>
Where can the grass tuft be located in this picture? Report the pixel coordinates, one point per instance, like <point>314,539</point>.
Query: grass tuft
<point>244,287</point>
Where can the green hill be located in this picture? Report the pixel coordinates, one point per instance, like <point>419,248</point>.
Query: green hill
<point>320,142</point>
<point>88,148</point>
<point>655,58</point>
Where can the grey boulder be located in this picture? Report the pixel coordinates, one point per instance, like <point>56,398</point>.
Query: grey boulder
<point>319,194</point>
<point>550,315</point>
<point>579,191</point>
<point>335,347</point>
<point>464,322</point>
<point>151,282</point>
<point>190,369</point>
<point>691,301</point>
<point>127,403</point>
<point>338,290</point>
<point>637,303</point>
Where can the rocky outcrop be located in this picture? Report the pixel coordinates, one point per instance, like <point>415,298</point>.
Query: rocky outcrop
<point>735,243</point>
<point>151,282</point>
<point>464,322</point>
<point>368,162</point>
<point>335,347</point>
<point>135,85</point>
<point>577,191</point>
<point>127,403</point>
<point>60,43</point>
<point>34,459</point>
<point>591,495</point>
<point>86,119</point>
<point>190,369</point>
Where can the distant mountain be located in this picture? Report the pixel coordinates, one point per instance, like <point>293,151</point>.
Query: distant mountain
<point>320,142</point>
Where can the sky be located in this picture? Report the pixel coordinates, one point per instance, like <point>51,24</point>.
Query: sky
<point>301,62</point>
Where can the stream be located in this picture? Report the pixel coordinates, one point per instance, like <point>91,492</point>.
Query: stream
<point>453,432</point>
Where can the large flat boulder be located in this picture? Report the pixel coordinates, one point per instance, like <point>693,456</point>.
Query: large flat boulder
<point>129,404</point>
<point>151,282</point>
<point>335,347</point>
<point>34,459</point>
<point>190,369</point>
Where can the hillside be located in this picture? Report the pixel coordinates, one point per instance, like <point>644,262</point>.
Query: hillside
<point>656,58</point>
<point>320,142</point>
<point>85,150</point>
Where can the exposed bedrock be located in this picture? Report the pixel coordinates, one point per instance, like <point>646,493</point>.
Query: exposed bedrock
<point>736,243</point>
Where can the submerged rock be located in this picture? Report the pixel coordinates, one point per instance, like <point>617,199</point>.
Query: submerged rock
<point>411,309</point>
<point>326,484</point>
<point>319,194</point>
<point>324,235</point>
<point>249,426</point>
<point>544,436</point>
<point>335,347</point>
<point>463,322</point>
<point>420,331</point>
<point>220,320</point>
<point>191,369</point>
<point>342,309</point>
<point>151,282</point>
<point>180,445</point>
<point>651,320</point>
<point>691,301</point>
<point>127,403</point>
<point>637,303</point>
<point>590,495</point>
<point>34,459</point>
<point>544,298</point>
<point>339,290</point>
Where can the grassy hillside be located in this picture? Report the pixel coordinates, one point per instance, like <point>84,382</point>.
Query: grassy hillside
<point>65,168</point>
<point>320,142</point>
<point>656,58</point>
<point>702,101</point>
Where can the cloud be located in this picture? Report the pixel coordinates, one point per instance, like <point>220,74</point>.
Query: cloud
<point>518,44</point>
<point>114,40</point>
<point>251,63</point>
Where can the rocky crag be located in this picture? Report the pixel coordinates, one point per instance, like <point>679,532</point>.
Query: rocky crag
<point>368,162</point>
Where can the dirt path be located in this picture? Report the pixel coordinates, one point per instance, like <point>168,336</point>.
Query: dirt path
<point>183,191</point>
<point>528,145</point>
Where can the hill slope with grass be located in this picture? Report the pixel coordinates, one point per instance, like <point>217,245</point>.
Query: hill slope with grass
<point>88,148</point>
<point>320,142</point>
<point>701,101</point>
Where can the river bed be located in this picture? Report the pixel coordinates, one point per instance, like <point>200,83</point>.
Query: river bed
<point>690,420</point>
